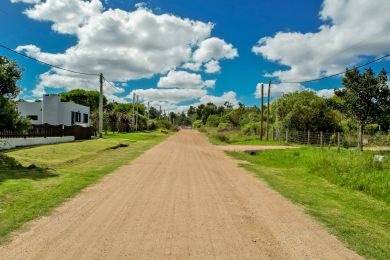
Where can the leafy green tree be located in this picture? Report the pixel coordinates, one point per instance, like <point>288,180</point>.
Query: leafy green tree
<point>365,97</point>
<point>88,98</point>
<point>304,111</point>
<point>10,74</point>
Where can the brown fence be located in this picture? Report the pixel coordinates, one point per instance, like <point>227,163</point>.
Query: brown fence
<point>46,130</point>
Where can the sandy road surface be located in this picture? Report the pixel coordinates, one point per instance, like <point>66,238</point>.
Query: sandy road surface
<point>182,199</point>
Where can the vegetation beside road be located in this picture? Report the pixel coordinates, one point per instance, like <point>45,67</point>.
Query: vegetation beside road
<point>34,180</point>
<point>347,192</point>
<point>235,136</point>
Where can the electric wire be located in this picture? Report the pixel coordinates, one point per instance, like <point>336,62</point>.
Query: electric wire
<point>48,64</point>
<point>336,74</point>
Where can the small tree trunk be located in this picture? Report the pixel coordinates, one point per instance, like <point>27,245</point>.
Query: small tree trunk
<point>361,127</point>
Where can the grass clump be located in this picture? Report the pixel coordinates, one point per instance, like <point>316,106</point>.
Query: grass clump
<point>346,191</point>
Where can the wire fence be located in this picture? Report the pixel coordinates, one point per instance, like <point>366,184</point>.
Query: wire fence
<point>329,139</point>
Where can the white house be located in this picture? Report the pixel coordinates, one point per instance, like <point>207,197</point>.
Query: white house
<point>54,112</point>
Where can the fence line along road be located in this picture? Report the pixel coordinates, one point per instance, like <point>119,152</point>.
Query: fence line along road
<point>46,130</point>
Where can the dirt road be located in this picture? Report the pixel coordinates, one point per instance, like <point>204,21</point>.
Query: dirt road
<point>182,199</point>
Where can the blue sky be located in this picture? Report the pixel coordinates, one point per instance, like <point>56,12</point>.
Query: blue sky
<point>296,46</point>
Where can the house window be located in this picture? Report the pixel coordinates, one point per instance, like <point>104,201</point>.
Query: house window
<point>33,117</point>
<point>73,117</point>
<point>78,117</point>
<point>85,118</point>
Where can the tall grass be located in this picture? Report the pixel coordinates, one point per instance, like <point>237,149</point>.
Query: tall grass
<point>347,168</point>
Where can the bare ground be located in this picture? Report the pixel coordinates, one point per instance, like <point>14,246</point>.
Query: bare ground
<point>182,199</point>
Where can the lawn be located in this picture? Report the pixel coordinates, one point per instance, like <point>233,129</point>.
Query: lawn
<point>34,180</point>
<point>347,191</point>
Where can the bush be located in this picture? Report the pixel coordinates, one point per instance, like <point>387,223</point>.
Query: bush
<point>164,124</point>
<point>250,128</point>
<point>197,124</point>
<point>222,137</point>
<point>213,121</point>
<point>175,128</point>
<point>152,125</point>
<point>224,127</point>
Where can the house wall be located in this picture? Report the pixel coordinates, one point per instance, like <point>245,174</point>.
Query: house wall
<point>31,109</point>
<point>66,113</point>
<point>18,142</point>
<point>54,112</point>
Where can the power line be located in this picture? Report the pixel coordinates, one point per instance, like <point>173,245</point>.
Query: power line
<point>336,74</point>
<point>112,85</point>
<point>48,64</point>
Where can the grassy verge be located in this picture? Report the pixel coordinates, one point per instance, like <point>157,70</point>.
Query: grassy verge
<point>235,137</point>
<point>34,180</point>
<point>347,192</point>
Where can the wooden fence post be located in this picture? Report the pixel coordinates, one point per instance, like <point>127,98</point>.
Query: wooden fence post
<point>321,138</point>
<point>308,136</point>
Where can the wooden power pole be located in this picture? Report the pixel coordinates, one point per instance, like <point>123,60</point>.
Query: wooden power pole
<point>101,106</point>
<point>268,97</point>
<point>133,116</point>
<point>136,116</point>
<point>147,124</point>
<point>262,112</point>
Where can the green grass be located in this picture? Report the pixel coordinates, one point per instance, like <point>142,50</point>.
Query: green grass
<point>34,180</point>
<point>235,137</point>
<point>346,192</point>
<point>139,136</point>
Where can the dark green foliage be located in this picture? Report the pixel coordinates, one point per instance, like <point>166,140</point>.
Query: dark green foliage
<point>365,97</point>
<point>89,98</point>
<point>10,74</point>
<point>213,121</point>
<point>305,111</point>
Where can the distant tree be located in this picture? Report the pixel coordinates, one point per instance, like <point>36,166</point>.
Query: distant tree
<point>88,98</point>
<point>10,74</point>
<point>154,113</point>
<point>213,121</point>
<point>365,97</point>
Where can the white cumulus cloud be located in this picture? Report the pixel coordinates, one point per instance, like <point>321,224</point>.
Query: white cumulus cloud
<point>214,48</point>
<point>125,46</point>
<point>351,30</point>
<point>212,67</point>
<point>184,80</point>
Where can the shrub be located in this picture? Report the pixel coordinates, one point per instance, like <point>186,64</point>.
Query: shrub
<point>197,124</point>
<point>250,128</point>
<point>164,124</point>
<point>222,137</point>
<point>175,128</point>
<point>224,127</point>
<point>213,121</point>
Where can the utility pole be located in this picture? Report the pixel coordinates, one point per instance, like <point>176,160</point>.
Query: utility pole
<point>268,97</point>
<point>133,117</point>
<point>262,112</point>
<point>136,116</point>
<point>147,125</point>
<point>101,106</point>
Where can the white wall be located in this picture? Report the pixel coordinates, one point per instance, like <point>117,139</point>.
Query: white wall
<point>31,109</point>
<point>54,112</point>
<point>17,142</point>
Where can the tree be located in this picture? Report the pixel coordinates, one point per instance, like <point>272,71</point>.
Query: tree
<point>365,97</point>
<point>88,98</point>
<point>10,74</point>
<point>304,111</point>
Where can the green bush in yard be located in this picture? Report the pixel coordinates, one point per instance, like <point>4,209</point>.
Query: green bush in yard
<point>197,124</point>
<point>213,121</point>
